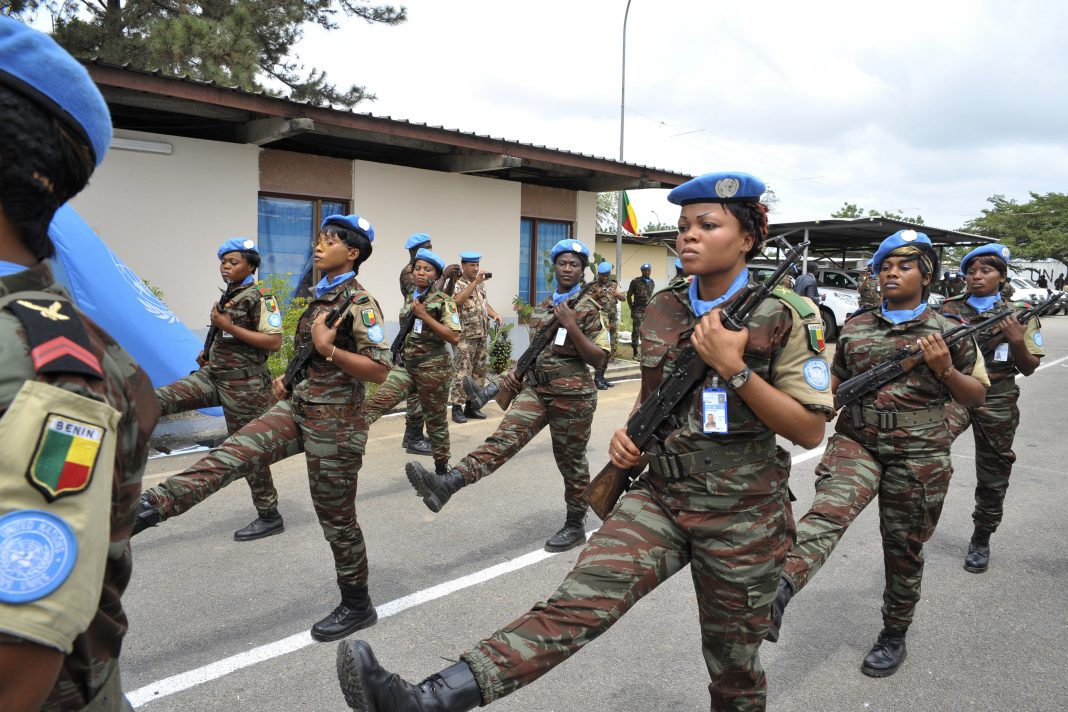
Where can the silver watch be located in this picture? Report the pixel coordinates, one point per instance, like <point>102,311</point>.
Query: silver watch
<point>740,379</point>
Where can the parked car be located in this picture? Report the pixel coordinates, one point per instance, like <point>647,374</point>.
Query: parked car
<point>835,304</point>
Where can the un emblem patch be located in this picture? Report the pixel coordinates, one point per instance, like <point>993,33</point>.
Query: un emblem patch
<point>37,553</point>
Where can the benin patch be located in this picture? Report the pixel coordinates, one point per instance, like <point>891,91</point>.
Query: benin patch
<point>271,303</point>
<point>66,454</point>
<point>37,553</point>
<point>815,338</point>
<point>368,317</point>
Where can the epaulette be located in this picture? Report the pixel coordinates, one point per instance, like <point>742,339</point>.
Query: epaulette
<point>955,298</point>
<point>56,335</point>
<point>264,289</point>
<point>955,317</point>
<point>794,301</point>
<point>862,310</point>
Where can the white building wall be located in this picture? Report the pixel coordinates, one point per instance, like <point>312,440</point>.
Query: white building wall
<point>165,215</point>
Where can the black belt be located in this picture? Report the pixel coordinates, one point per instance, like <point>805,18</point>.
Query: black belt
<point>676,467</point>
<point>892,420</point>
<point>321,411</point>
<point>544,378</point>
<point>235,373</point>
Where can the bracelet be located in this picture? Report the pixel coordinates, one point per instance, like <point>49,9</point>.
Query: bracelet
<point>946,374</point>
<point>330,358</point>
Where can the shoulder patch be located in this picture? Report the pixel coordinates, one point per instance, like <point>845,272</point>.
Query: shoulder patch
<point>455,318</point>
<point>816,341</point>
<point>817,374</point>
<point>1037,338</point>
<point>368,317</point>
<point>66,453</point>
<point>37,553</point>
<point>56,336</point>
<point>270,302</point>
<point>376,334</point>
<point>794,301</point>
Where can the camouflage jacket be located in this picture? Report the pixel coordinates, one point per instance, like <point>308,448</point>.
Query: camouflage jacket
<point>605,294</point>
<point>869,339</point>
<point>474,316</point>
<point>1000,362</point>
<point>785,348</point>
<point>560,355</point>
<point>360,331</point>
<point>92,486</point>
<point>407,281</point>
<point>640,292</point>
<point>255,308</point>
<point>869,291</point>
<point>422,341</point>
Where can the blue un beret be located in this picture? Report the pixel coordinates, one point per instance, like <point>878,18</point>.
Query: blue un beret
<point>604,268</point>
<point>570,246</point>
<point>678,263</point>
<point>999,251</point>
<point>237,244</point>
<point>470,257</point>
<point>32,64</point>
<point>352,222</point>
<point>647,266</point>
<point>427,256</point>
<point>419,238</point>
<point>901,238</point>
<point>727,187</point>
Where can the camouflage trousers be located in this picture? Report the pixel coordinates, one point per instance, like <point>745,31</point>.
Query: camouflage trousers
<point>735,555</point>
<point>242,400</point>
<point>637,316</point>
<point>613,339</point>
<point>427,380</point>
<point>413,413</point>
<point>570,419</point>
<point>470,359</point>
<point>910,471</point>
<point>333,448</point>
<point>994,429</point>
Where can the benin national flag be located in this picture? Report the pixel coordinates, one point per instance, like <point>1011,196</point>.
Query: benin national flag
<point>65,457</point>
<point>630,220</point>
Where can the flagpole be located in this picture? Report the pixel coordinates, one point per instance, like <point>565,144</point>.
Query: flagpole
<point>619,197</point>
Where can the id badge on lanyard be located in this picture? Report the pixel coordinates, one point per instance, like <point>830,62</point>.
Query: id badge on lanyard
<point>1001,352</point>
<point>417,327</point>
<point>561,336</point>
<point>714,410</point>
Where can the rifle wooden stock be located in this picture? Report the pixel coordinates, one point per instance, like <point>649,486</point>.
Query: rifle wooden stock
<point>607,487</point>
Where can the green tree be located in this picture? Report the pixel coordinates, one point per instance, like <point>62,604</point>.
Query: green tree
<point>1036,229</point>
<point>851,211</point>
<point>606,212</point>
<point>242,43</point>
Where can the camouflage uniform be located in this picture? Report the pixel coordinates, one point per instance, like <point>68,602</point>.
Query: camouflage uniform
<point>322,418</point>
<point>869,292</point>
<point>472,354</point>
<point>679,280</point>
<point>994,423</point>
<point>731,522</point>
<point>425,373</point>
<point>908,466</point>
<point>639,293</point>
<point>604,292</point>
<point>413,411</point>
<point>557,392</point>
<point>236,378</point>
<point>83,617</point>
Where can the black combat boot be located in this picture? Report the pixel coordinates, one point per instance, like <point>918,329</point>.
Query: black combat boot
<point>354,613</point>
<point>786,592</point>
<point>368,687</point>
<point>441,467</point>
<point>473,412</point>
<point>147,516</point>
<point>570,535</point>
<point>458,414</point>
<point>480,396</point>
<point>434,487</point>
<point>600,382</point>
<point>978,558</point>
<point>414,442</point>
<point>267,524</point>
<point>886,655</point>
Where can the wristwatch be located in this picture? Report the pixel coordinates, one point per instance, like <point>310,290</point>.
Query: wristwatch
<point>740,379</point>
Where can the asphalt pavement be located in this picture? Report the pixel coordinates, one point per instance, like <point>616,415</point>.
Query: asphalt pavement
<point>219,625</point>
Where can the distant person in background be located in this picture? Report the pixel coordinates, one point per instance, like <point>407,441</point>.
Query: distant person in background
<point>639,293</point>
<point>680,277</point>
<point>805,285</point>
<point>1058,283</point>
<point>868,288</point>
<point>1042,281</point>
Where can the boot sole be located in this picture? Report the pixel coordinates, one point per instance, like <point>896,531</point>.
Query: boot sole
<point>976,569</point>
<point>348,676</point>
<point>872,672</point>
<point>416,481</point>
<point>569,547</point>
<point>413,451</point>
<point>264,535</point>
<point>359,625</point>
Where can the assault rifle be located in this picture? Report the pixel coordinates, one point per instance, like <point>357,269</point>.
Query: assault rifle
<point>397,347</point>
<point>1023,316</point>
<point>213,331</point>
<point>904,360</point>
<point>690,371</point>
<point>506,395</point>
<point>297,370</point>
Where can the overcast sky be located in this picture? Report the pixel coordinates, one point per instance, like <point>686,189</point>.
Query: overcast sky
<point>924,107</point>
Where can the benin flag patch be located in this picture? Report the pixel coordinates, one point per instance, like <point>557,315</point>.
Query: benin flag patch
<point>65,457</point>
<point>815,338</point>
<point>368,316</point>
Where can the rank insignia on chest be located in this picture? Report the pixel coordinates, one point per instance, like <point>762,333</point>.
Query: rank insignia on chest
<point>368,317</point>
<point>66,454</point>
<point>815,338</point>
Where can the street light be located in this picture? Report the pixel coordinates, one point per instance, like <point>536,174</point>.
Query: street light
<point>619,201</point>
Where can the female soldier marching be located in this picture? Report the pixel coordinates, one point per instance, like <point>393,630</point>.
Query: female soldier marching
<point>716,498</point>
<point>1017,349</point>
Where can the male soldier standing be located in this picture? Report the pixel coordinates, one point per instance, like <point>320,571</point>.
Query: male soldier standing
<point>680,277</point>
<point>868,288</point>
<point>471,355</point>
<point>414,442</point>
<point>639,293</point>
<point>606,292</point>
<point>77,411</point>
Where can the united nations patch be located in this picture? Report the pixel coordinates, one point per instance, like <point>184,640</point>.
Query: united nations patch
<point>455,318</point>
<point>376,334</point>
<point>817,374</point>
<point>37,554</point>
<point>275,320</point>
<point>65,457</point>
<point>1037,338</point>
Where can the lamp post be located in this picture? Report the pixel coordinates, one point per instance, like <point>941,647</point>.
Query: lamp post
<point>619,201</point>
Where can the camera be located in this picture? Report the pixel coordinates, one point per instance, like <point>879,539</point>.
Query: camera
<point>487,275</point>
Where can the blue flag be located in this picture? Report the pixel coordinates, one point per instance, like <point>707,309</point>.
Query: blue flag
<point>114,297</point>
